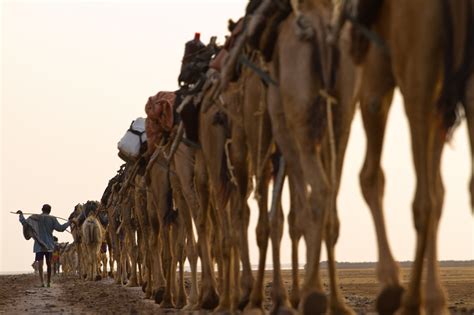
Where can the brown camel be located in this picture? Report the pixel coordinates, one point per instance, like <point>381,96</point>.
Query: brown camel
<point>299,115</point>
<point>432,66</point>
<point>179,178</point>
<point>170,227</point>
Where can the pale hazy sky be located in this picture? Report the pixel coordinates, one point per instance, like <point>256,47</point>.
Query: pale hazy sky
<point>74,75</point>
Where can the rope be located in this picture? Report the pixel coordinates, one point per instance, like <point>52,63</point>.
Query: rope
<point>230,167</point>
<point>332,143</point>
<point>262,74</point>
<point>371,35</point>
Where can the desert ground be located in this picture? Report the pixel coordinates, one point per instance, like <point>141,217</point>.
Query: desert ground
<point>21,294</point>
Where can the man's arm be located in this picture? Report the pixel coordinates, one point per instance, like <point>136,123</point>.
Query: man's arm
<point>22,218</point>
<point>60,227</point>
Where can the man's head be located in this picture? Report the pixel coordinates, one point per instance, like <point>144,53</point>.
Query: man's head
<point>46,209</point>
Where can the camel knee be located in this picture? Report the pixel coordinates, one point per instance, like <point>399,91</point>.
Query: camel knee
<point>372,182</point>
<point>422,206</point>
<point>332,229</point>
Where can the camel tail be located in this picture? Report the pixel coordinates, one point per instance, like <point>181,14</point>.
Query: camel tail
<point>455,77</point>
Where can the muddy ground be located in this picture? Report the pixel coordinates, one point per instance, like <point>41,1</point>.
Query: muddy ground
<point>21,294</point>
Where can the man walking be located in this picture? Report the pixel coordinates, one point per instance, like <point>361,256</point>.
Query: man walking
<point>43,226</point>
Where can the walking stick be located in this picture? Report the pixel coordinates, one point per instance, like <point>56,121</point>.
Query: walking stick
<point>28,213</point>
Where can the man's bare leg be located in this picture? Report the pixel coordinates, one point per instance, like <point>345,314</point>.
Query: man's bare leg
<point>48,268</point>
<point>40,271</point>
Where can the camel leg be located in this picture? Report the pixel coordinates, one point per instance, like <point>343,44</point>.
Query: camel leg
<point>180,237</point>
<point>217,239</point>
<point>288,148</point>
<point>276,232</point>
<point>469,110</point>
<point>375,98</point>
<point>155,244</point>
<point>132,254</point>
<point>191,253</point>
<point>208,298</point>
<point>435,295</point>
<point>295,235</point>
<point>427,149</point>
<point>166,228</point>
<point>181,299</point>
<point>184,160</point>
<point>299,100</point>
<point>191,176</point>
<point>225,302</point>
<point>240,213</point>
<point>263,232</point>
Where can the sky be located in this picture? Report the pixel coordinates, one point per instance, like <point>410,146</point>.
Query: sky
<point>74,74</point>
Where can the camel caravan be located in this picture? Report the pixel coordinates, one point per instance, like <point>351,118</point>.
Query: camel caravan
<point>276,103</point>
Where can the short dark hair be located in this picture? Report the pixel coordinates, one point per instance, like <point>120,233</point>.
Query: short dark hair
<point>46,208</point>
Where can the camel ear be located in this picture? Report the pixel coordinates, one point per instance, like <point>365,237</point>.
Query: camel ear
<point>231,25</point>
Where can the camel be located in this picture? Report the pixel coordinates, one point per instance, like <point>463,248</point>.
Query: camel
<point>93,236</point>
<point>302,67</point>
<point>68,258</point>
<point>250,141</point>
<point>76,232</point>
<point>170,228</point>
<point>173,224</point>
<point>426,65</point>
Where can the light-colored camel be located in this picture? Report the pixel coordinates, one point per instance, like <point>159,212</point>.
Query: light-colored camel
<point>68,259</point>
<point>93,236</point>
<point>416,63</point>
<point>76,232</point>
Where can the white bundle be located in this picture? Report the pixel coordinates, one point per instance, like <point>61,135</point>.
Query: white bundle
<point>130,144</point>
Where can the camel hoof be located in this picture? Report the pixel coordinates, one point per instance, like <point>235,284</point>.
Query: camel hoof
<point>341,310</point>
<point>191,307</point>
<point>111,275</point>
<point>243,302</point>
<point>158,294</point>
<point>210,301</point>
<point>389,300</point>
<point>253,311</point>
<point>167,304</point>
<point>181,302</point>
<point>295,301</point>
<point>98,278</point>
<point>144,285</point>
<point>314,303</point>
<point>283,310</point>
<point>132,284</point>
